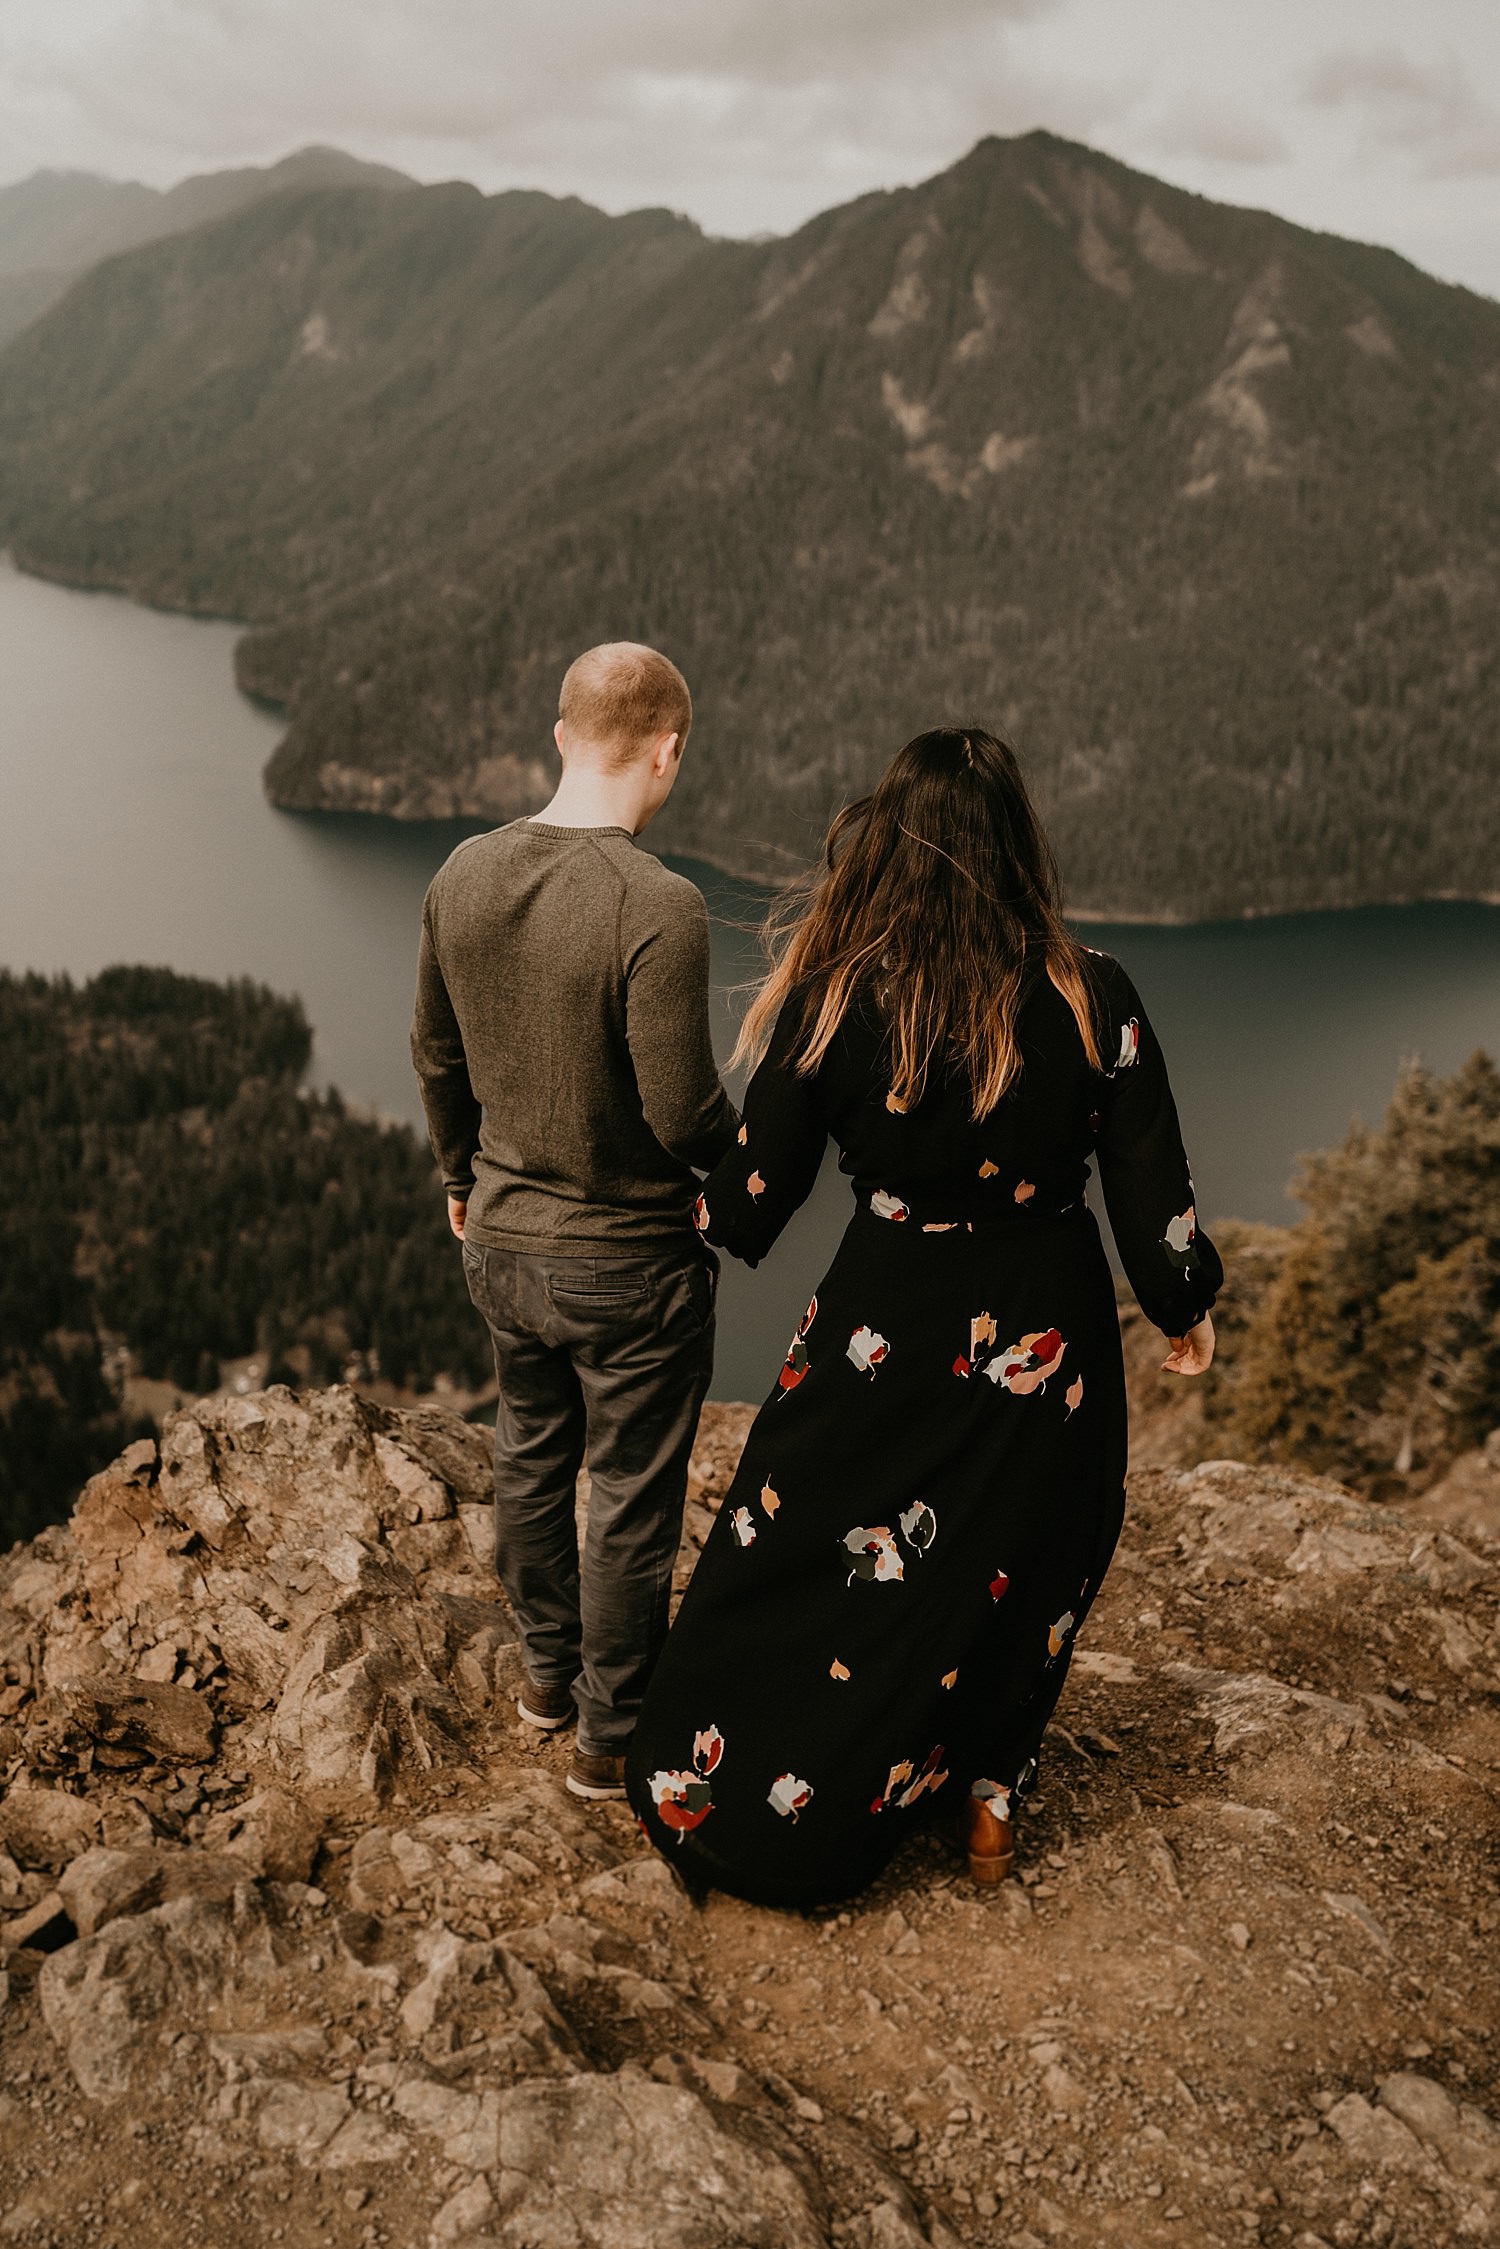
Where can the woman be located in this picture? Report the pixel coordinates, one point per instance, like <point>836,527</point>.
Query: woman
<point>882,1618</point>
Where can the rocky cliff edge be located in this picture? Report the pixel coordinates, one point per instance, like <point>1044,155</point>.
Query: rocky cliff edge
<point>303,1941</point>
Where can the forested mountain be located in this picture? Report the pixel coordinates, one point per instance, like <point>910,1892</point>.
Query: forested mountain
<point>1203,506</point>
<point>54,225</point>
<point>169,1189</point>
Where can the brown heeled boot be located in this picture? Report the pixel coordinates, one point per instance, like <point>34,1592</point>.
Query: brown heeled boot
<point>988,1840</point>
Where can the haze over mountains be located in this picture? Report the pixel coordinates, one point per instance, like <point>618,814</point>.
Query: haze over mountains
<point>55,225</point>
<point>1202,506</point>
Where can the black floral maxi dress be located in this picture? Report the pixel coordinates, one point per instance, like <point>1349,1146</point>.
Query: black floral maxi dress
<point>883,1614</point>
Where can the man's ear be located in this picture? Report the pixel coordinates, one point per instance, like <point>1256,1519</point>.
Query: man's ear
<point>664,755</point>
<point>557,736</point>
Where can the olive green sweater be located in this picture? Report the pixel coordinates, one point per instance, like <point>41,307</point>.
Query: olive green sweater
<point>561,1039</point>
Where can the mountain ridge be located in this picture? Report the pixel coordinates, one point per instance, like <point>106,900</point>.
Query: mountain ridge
<point>55,225</point>
<point>1200,505</point>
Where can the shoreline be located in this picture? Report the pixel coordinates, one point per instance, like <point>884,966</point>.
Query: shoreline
<point>1088,915</point>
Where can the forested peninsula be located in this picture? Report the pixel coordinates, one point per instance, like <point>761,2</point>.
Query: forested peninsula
<point>1202,506</point>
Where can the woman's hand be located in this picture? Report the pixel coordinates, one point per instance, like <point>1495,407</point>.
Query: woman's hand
<point>1192,1353</point>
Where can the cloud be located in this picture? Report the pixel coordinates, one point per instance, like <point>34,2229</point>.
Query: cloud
<point>1217,131</point>
<point>1431,111</point>
<point>753,114</point>
<point>662,100</point>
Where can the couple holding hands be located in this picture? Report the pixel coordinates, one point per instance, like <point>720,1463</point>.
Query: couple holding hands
<point>881,1621</point>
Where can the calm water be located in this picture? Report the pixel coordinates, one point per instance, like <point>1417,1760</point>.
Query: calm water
<point>132,827</point>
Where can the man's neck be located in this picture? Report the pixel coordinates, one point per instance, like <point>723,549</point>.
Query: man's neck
<point>590,799</point>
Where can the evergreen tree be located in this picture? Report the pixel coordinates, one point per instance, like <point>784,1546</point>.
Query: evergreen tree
<point>1374,1349</point>
<point>169,1186</point>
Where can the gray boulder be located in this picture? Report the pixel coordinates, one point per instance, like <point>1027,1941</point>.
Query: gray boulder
<point>1464,2139</point>
<point>625,2161</point>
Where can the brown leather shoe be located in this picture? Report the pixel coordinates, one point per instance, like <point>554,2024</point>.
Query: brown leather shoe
<point>597,1778</point>
<point>988,1839</point>
<point>546,1708</point>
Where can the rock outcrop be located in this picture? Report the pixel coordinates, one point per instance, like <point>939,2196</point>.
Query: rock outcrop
<point>304,1942</point>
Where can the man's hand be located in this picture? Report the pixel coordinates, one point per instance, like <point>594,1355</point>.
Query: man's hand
<point>1192,1353</point>
<point>457,1205</point>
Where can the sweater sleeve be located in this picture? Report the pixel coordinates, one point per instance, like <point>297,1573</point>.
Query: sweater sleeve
<point>665,963</point>
<point>1169,1261</point>
<point>771,1168</point>
<point>437,1052</point>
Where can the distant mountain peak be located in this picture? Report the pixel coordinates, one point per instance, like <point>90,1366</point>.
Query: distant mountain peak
<point>316,165</point>
<point>1198,505</point>
<point>56,223</point>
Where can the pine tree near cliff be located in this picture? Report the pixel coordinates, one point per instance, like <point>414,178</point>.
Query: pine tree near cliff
<point>1374,1351</point>
<point>169,1187</point>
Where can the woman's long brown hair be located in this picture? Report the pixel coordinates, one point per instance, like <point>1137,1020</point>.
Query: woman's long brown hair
<point>940,896</point>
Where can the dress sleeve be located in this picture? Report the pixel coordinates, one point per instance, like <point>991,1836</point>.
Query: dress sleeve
<point>769,1172</point>
<point>1170,1262</point>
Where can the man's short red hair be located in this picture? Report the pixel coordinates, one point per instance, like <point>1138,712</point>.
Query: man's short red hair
<point>622,695</point>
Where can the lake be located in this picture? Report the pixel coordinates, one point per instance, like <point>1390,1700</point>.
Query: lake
<point>133,828</point>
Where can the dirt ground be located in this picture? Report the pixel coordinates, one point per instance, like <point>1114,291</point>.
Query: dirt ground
<point>1245,1989</point>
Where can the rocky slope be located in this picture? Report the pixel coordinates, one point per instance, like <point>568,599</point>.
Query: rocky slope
<point>306,1944</point>
<point>1201,505</point>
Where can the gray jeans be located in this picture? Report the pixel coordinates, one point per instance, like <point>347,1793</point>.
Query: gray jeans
<point>612,1355</point>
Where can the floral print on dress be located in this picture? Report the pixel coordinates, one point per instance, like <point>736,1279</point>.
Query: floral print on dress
<point>1024,1367</point>
<point>919,1525</point>
<point>868,1350</point>
<point>755,1186</point>
<point>1180,1240</point>
<point>877,1558</point>
<point>700,1215</point>
<point>796,1365</point>
<point>918,1638</point>
<point>982,1334</point>
<point>742,1523</point>
<point>789,1796</point>
<point>684,1800</point>
<point>905,1784</point>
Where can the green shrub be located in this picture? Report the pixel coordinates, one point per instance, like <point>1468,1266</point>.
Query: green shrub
<point>1374,1349</point>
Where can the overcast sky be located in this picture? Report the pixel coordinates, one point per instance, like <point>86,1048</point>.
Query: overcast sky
<point>1375,118</point>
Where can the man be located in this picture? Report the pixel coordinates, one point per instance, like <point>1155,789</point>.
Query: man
<point>561,1039</point>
